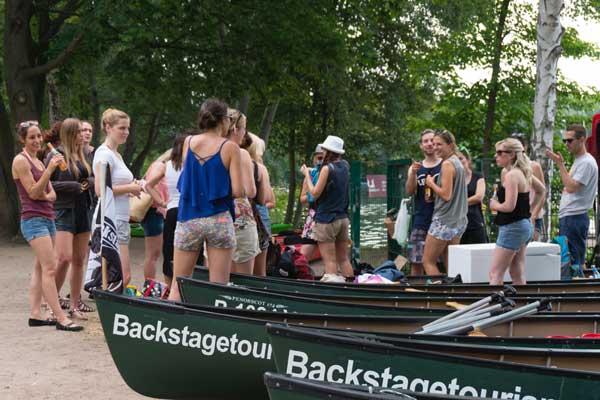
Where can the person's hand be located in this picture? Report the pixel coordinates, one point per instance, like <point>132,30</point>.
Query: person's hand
<point>415,166</point>
<point>494,204</point>
<point>135,189</point>
<point>304,169</point>
<point>84,186</point>
<point>429,181</point>
<point>55,161</point>
<point>557,158</point>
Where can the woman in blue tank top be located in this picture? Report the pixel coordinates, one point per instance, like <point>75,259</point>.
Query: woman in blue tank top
<point>210,179</point>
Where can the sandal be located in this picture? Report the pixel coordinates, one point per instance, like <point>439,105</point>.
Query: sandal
<point>81,306</point>
<point>64,303</point>
<point>70,327</point>
<point>77,314</point>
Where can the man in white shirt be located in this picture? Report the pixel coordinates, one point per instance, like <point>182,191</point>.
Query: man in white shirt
<point>580,189</point>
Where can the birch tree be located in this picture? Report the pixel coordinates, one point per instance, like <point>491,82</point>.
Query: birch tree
<point>549,35</point>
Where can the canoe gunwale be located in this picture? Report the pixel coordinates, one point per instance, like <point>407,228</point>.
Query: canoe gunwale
<point>319,337</point>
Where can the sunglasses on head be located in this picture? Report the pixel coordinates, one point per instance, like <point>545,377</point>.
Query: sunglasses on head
<point>28,124</point>
<point>569,140</point>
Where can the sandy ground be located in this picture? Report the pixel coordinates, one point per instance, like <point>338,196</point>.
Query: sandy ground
<point>43,363</point>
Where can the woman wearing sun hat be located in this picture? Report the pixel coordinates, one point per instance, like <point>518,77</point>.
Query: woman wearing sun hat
<point>330,194</point>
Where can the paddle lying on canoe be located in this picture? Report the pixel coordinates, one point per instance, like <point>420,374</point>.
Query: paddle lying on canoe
<point>562,303</point>
<point>171,351</point>
<point>282,387</point>
<point>314,355</point>
<point>583,286</point>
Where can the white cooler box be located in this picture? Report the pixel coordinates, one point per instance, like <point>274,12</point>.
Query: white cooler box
<point>472,262</point>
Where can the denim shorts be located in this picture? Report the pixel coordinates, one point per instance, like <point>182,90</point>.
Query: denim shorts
<point>73,220</point>
<point>515,235</point>
<point>153,223</point>
<point>539,224</point>
<point>33,228</point>
<point>123,232</point>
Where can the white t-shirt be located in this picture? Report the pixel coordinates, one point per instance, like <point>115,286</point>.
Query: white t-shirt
<point>172,177</point>
<point>120,175</point>
<point>584,171</point>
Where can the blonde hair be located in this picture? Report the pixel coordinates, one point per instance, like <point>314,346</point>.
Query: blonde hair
<point>69,132</point>
<point>256,148</point>
<point>111,117</point>
<point>236,119</point>
<point>521,160</point>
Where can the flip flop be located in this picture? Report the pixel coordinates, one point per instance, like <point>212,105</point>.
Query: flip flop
<point>70,327</point>
<point>41,322</point>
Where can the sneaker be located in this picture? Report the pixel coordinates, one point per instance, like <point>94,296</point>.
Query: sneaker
<point>333,278</point>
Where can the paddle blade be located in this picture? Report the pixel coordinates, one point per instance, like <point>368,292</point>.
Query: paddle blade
<point>455,305</point>
<point>477,332</point>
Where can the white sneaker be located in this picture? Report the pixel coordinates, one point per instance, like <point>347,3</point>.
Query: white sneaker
<point>333,278</point>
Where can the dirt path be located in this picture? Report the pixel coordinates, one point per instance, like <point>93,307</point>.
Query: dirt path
<point>43,363</point>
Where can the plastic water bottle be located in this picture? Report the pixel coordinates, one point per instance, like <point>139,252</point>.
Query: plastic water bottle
<point>595,273</point>
<point>63,164</point>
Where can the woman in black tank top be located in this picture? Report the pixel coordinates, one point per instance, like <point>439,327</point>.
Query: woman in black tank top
<point>513,219</point>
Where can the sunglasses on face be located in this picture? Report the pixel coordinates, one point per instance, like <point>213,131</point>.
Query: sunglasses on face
<point>500,152</point>
<point>568,140</point>
<point>28,124</point>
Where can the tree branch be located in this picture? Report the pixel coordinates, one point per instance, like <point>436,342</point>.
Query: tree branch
<point>68,11</point>
<point>56,62</point>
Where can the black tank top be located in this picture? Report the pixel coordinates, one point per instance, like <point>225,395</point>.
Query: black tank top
<point>520,212</point>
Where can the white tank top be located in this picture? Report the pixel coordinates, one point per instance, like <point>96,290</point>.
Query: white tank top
<point>172,177</point>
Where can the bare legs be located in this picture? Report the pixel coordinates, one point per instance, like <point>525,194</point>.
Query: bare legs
<point>434,248</point>
<point>43,280</point>
<point>260,264</point>
<point>307,250</point>
<point>335,254</point>
<point>125,264</point>
<point>417,269</point>
<point>504,259</point>
<point>80,252</point>
<point>241,268</point>
<point>152,250</point>
<point>184,261</point>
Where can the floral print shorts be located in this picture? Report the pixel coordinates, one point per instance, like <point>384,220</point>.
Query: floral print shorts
<point>216,230</point>
<point>443,232</point>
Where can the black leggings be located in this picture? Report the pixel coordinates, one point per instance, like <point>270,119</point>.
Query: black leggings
<point>169,243</point>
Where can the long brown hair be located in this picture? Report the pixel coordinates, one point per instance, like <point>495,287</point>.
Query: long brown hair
<point>69,133</point>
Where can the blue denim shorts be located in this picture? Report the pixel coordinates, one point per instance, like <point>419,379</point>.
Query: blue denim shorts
<point>516,235</point>
<point>36,227</point>
<point>153,223</point>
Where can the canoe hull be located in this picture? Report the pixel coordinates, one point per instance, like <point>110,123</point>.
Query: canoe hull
<point>301,354</point>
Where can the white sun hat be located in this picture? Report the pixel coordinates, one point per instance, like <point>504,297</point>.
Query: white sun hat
<point>333,144</point>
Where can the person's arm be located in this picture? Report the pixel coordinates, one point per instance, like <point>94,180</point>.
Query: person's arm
<point>134,188</point>
<point>248,174</point>
<point>570,184</point>
<point>64,187</point>
<point>265,192</point>
<point>540,196</point>
<point>232,152</point>
<point>411,180</point>
<point>51,195</point>
<point>511,190</point>
<point>479,193</point>
<point>22,171</point>
<point>304,192</point>
<point>155,173</point>
<point>447,183</point>
<point>316,190</point>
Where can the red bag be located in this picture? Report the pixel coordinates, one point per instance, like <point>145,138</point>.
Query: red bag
<point>303,270</point>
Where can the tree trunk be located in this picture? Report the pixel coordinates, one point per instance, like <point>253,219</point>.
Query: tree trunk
<point>9,212</point>
<point>138,163</point>
<point>494,87</point>
<point>549,35</point>
<point>54,109</point>
<point>267,121</point>
<point>289,211</point>
<point>298,214</point>
<point>131,142</point>
<point>244,103</point>
<point>95,111</point>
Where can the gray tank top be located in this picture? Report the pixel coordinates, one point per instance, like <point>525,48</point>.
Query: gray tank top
<point>453,213</point>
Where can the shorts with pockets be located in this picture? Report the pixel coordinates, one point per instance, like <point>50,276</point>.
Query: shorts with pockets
<point>217,231</point>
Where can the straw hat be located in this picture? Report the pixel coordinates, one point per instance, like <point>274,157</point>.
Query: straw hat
<point>333,144</point>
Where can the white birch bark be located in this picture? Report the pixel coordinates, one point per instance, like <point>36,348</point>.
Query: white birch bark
<point>549,35</point>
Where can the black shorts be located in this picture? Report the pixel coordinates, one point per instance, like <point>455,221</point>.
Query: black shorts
<point>74,220</point>
<point>169,243</point>
<point>474,236</point>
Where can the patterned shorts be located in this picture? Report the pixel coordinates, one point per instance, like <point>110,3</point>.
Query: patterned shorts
<point>443,232</point>
<point>217,231</point>
<point>417,242</point>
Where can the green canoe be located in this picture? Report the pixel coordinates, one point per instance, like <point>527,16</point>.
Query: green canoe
<point>171,351</point>
<point>580,287</point>
<point>204,293</point>
<point>282,387</point>
<point>568,302</point>
<point>304,354</point>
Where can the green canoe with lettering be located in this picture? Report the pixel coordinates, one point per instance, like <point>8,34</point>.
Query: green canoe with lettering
<point>204,293</point>
<point>583,286</point>
<point>282,387</point>
<point>172,351</point>
<point>567,302</point>
<point>303,353</point>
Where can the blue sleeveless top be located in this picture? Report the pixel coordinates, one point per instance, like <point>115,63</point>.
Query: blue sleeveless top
<point>333,202</point>
<point>205,187</point>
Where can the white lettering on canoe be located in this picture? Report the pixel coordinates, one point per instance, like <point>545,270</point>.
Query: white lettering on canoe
<point>245,303</point>
<point>207,343</point>
<point>300,366</point>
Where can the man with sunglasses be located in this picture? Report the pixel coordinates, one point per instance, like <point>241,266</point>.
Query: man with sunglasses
<point>580,188</point>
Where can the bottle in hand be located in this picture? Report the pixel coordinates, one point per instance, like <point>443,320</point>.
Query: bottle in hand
<point>63,164</point>
<point>495,197</point>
